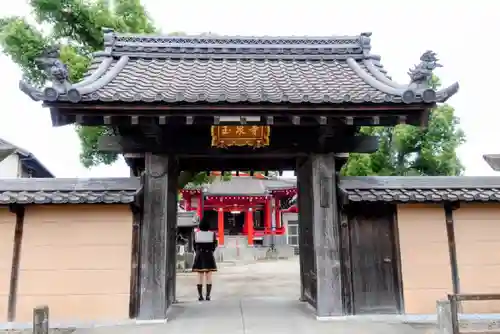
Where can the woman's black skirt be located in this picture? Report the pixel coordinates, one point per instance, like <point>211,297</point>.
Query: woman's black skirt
<point>204,261</point>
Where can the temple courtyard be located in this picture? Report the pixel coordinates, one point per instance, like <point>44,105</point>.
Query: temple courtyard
<point>237,280</point>
<point>259,297</point>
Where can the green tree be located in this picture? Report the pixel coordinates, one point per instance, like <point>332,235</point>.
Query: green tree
<point>410,150</point>
<point>75,25</point>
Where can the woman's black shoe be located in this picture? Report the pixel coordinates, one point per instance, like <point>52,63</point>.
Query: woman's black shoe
<point>209,290</point>
<point>199,287</point>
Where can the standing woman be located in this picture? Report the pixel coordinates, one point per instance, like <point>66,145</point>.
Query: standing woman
<point>205,244</point>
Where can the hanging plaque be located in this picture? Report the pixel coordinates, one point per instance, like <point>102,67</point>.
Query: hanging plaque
<point>240,135</point>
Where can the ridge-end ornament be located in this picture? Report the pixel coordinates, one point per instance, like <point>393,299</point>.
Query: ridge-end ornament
<point>421,74</point>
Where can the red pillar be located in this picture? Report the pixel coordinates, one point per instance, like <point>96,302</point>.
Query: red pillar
<point>220,224</point>
<point>267,217</point>
<point>199,209</point>
<point>187,203</point>
<point>249,223</point>
<point>277,212</point>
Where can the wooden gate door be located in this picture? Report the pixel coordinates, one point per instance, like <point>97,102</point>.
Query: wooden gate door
<point>375,285</point>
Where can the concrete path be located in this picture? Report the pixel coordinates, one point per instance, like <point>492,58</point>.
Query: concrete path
<point>253,298</point>
<point>252,316</point>
<point>239,280</point>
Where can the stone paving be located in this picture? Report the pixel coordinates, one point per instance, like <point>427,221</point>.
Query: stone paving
<point>255,298</point>
<point>236,281</point>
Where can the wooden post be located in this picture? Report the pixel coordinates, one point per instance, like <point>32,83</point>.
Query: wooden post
<point>452,250</point>
<point>249,224</point>
<point>220,225</point>
<point>158,234</point>
<point>306,258</point>
<point>41,320</point>
<point>16,258</point>
<point>320,223</point>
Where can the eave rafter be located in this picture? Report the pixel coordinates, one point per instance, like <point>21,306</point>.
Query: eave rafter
<point>378,115</point>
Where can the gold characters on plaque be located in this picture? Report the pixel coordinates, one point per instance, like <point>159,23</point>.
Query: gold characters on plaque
<point>240,135</point>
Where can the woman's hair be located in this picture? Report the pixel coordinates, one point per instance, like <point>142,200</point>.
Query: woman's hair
<point>204,225</point>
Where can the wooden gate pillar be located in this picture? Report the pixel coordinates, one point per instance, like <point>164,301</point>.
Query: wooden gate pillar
<point>158,234</point>
<point>319,234</point>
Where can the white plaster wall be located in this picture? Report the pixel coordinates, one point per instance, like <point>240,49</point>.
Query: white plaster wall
<point>285,218</point>
<point>10,167</point>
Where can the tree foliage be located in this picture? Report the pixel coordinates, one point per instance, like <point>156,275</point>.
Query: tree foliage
<point>77,26</point>
<point>407,150</point>
<point>413,151</point>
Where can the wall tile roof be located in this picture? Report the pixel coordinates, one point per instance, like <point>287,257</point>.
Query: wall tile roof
<point>68,191</point>
<point>421,189</point>
<point>354,189</point>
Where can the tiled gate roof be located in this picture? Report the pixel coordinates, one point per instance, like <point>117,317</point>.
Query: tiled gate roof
<point>211,69</point>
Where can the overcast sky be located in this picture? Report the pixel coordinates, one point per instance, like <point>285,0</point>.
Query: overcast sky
<point>464,34</point>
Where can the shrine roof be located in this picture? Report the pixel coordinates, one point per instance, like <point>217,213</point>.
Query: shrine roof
<point>280,184</point>
<point>421,189</point>
<point>68,191</point>
<point>244,186</point>
<point>212,69</point>
<point>240,185</point>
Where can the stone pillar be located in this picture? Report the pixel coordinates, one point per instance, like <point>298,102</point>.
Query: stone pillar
<point>249,225</point>
<point>444,321</point>
<point>158,233</point>
<point>319,235</point>
<point>220,225</point>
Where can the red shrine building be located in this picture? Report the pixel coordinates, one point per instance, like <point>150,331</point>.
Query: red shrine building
<point>250,206</point>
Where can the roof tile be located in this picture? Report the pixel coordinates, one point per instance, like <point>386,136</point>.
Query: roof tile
<point>68,191</point>
<point>421,189</point>
<point>171,69</point>
<point>241,185</point>
<point>188,80</point>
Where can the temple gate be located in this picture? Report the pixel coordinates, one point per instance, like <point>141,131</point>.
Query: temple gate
<point>194,103</point>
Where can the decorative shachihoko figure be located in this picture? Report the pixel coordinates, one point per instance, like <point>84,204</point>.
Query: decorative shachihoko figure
<point>205,243</point>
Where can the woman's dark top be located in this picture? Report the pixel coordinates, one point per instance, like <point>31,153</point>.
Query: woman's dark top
<point>204,259</point>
